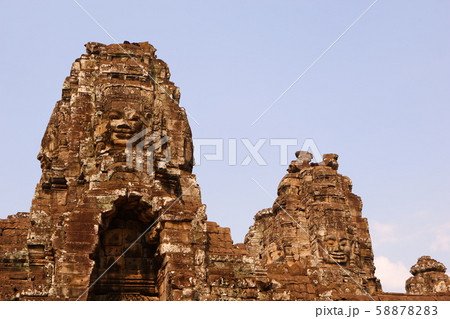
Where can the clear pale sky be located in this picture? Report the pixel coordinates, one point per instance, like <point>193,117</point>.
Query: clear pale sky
<point>379,98</point>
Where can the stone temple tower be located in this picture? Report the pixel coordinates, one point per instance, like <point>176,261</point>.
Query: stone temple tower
<point>316,222</point>
<point>89,205</point>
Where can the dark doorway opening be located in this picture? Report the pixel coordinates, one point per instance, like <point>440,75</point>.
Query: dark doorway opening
<point>134,276</point>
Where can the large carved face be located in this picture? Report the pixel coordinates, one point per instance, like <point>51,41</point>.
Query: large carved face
<point>124,120</point>
<point>337,248</point>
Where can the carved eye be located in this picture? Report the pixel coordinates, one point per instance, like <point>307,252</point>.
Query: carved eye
<point>135,118</point>
<point>114,116</point>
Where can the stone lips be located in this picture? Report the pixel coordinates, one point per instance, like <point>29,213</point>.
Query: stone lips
<point>90,209</point>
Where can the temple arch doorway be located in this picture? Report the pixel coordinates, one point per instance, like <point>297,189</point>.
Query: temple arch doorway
<point>135,275</point>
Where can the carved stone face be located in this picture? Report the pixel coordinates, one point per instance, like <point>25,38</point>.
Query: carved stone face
<point>337,248</point>
<point>124,121</point>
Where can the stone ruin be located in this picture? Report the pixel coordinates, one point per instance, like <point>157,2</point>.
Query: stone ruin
<point>102,229</point>
<point>429,278</point>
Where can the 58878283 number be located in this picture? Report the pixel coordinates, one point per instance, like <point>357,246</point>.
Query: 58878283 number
<point>406,310</point>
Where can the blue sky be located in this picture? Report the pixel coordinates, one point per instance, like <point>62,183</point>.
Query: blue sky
<point>379,98</point>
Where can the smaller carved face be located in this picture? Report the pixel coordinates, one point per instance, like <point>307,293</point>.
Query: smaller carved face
<point>355,256</point>
<point>337,249</point>
<point>123,124</point>
<point>45,161</point>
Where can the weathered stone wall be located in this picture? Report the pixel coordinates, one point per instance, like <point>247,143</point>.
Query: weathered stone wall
<point>316,224</point>
<point>109,223</point>
<point>429,278</point>
<point>87,191</point>
<point>14,256</point>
